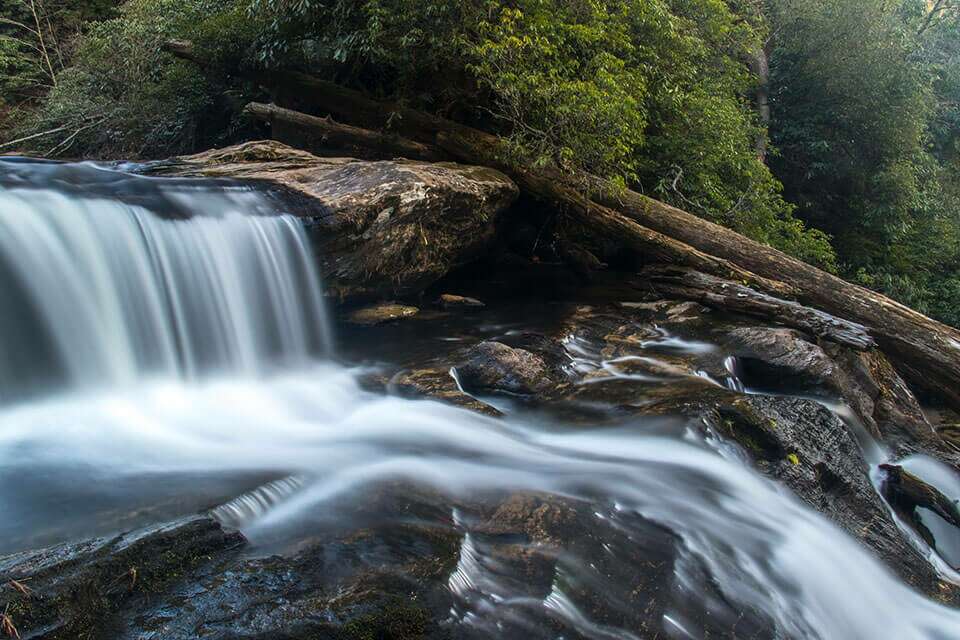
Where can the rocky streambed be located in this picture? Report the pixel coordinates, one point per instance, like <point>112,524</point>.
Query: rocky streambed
<point>516,440</point>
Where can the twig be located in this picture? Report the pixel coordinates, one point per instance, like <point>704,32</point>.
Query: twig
<point>43,45</point>
<point>35,135</point>
<point>19,586</point>
<point>7,626</point>
<point>68,142</point>
<point>17,24</point>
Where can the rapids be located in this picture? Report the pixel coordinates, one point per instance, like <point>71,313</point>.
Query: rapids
<point>164,348</point>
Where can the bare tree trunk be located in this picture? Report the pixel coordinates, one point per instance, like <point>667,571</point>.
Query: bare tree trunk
<point>43,44</point>
<point>760,65</point>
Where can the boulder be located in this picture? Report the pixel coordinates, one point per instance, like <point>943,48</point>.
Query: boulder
<point>779,359</point>
<point>497,367</point>
<point>74,590</point>
<point>385,228</point>
<point>192,579</point>
<point>810,450</point>
<point>381,313</point>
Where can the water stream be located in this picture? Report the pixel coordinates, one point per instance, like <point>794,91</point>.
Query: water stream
<point>153,363</point>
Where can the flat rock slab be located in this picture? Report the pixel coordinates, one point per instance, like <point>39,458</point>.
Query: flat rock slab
<point>381,313</point>
<point>384,228</point>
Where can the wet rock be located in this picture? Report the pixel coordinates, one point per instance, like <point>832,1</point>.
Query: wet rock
<point>75,590</point>
<point>950,435</point>
<point>802,444</point>
<point>188,580</point>
<point>775,359</point>
<point>388,228</point>
<point>877,394</point>
<point>615,569</point>
<point>381,313</point>
<point>786,361</point>
<point>683,312</point>
<point>628,363</point>
<point>494,366</point>
<point>451,301</point>
<point>906,493</point>
<point>436,384</point>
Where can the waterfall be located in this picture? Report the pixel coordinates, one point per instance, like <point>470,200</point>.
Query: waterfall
<point>177,332</point>
<point>106,290</point>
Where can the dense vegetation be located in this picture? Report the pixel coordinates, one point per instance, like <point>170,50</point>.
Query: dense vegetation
<point>667,96</point>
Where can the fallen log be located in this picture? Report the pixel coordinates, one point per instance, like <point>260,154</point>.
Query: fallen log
<point>738,298</point>
<point>924,350</point>
<point>618,231</point>
<point>323,135</point>
<point>615,229</point>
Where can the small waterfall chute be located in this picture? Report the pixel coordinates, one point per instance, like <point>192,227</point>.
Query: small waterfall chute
<point>110,290</point>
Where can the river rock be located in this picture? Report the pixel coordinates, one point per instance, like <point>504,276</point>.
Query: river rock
<point>436,383</point>
<point>775,359</point>
<point>381,313</point>
<point>386,228</point>
<point>617,568</point>
<point>451,301</point>
<point>73,590</point>
<point>188,579</point>
<point>496,367</point>
<point>809,449</point>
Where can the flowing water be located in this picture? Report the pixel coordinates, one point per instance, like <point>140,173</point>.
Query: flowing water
<point>164,348</point>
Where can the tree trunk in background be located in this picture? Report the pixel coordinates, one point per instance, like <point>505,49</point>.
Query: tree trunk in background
<point>760,66</point>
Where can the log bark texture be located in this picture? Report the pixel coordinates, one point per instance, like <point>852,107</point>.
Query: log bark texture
<point>739,298</point>
<point>324,135</point>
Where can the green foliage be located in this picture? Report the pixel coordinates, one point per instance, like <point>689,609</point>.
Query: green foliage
<point>37,40</point>
<point>866,106</point>
<point>850,112</point>
<point>650,93</point>
<point>124,96</point>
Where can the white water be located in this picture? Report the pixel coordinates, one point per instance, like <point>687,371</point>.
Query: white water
<point>108,292</point>
<point>131,309</point>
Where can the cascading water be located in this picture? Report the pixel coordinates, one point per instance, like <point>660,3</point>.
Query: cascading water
<point>107,291</point>
<point>185,355</point>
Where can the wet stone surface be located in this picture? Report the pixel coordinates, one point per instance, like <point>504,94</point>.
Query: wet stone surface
<point>400,560</point>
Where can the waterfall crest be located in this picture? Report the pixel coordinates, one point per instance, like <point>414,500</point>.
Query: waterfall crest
<point>105,291</point>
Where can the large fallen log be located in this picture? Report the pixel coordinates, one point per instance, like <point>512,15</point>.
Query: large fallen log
<point>323,136</point>
<point>725,295</point>
<point>619,232</point>
<point>616,229</point>
<point>925,351</point>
